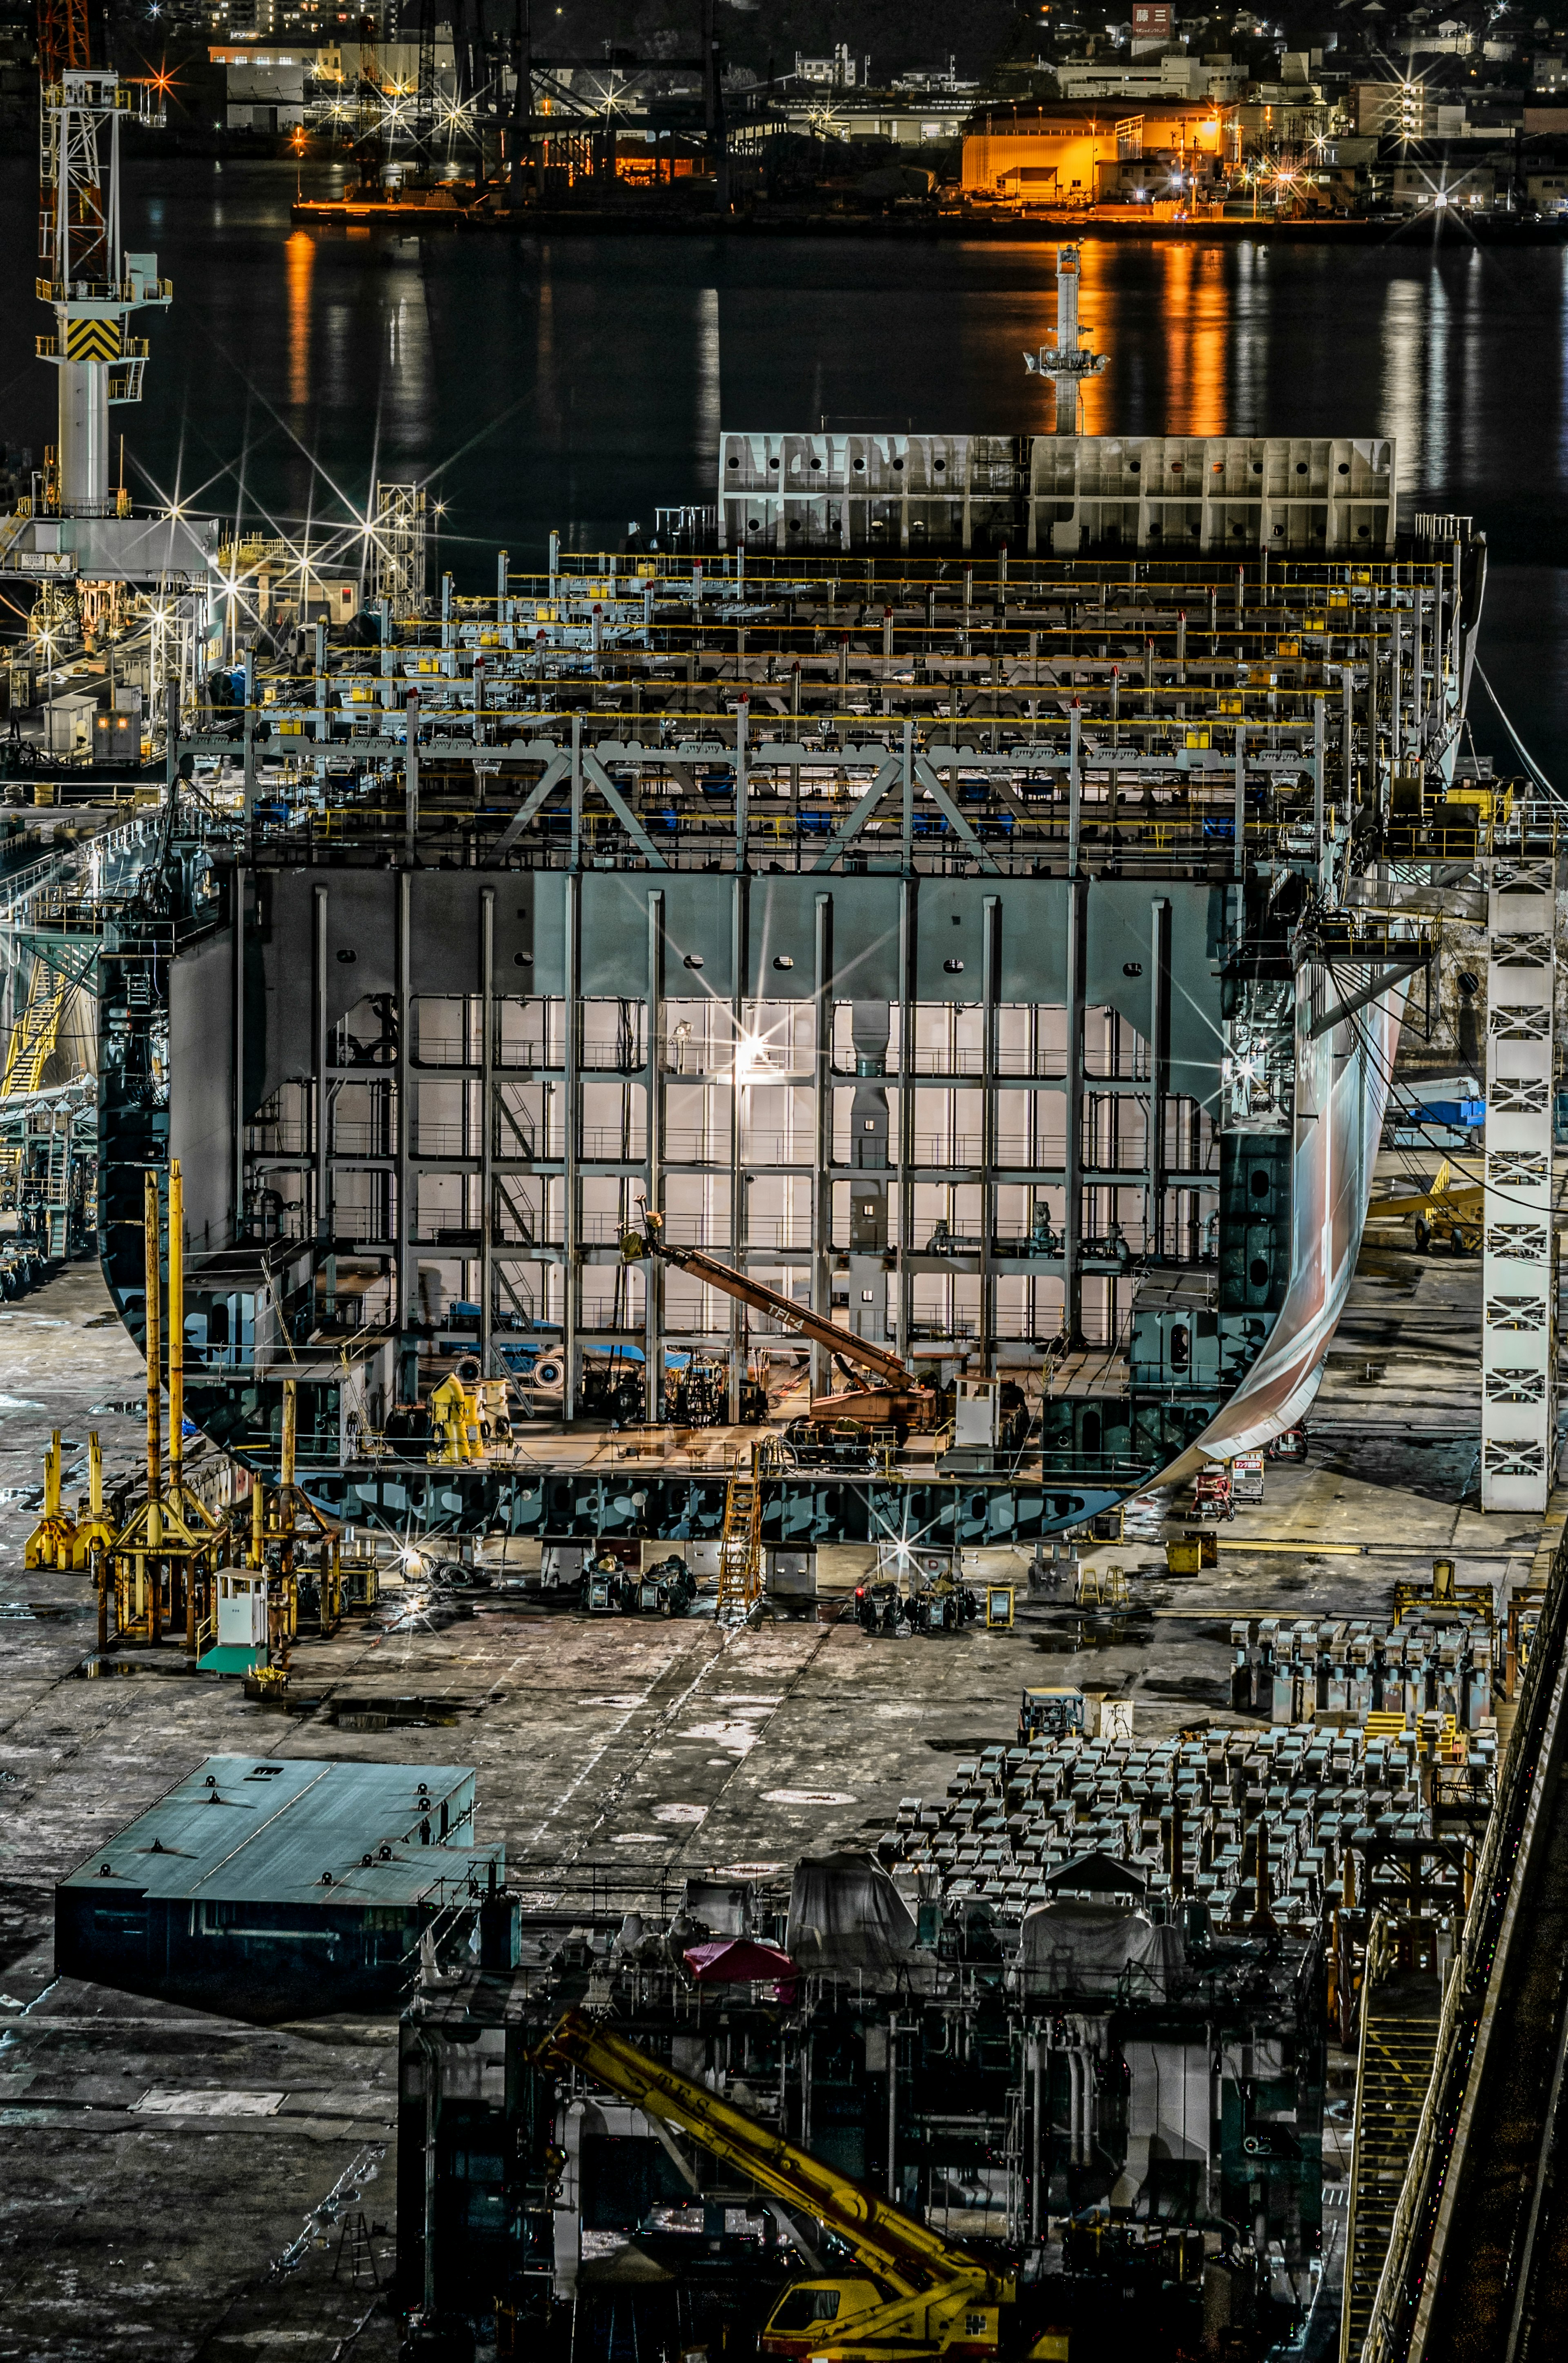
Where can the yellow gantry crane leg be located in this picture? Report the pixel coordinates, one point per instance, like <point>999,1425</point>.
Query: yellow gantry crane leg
<point>52,1542</point>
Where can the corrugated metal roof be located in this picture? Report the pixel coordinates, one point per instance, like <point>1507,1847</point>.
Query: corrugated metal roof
<point>249,1829</point>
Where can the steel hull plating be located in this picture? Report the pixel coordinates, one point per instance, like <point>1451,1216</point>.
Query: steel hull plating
<point>1342,1093</point>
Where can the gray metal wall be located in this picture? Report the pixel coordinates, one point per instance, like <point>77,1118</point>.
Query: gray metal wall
<point>860,956</point>
<point>1304,495</point>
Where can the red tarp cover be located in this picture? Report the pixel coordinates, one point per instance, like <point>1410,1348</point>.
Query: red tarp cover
<point>737,1960</point>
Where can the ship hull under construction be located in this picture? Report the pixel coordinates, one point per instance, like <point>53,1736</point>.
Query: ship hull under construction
<point>990,968</point>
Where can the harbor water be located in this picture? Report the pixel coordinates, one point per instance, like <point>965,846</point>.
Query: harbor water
<point>580,381</point>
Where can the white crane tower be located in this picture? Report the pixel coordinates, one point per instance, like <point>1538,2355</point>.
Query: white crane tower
<point>1065,363</point>
<point>93,286</point>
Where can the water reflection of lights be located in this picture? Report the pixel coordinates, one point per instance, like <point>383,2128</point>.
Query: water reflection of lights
<point>299,261</point>
<point>1197,313</point>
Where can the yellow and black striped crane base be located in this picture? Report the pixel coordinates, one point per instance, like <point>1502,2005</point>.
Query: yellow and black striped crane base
<point>92,340</point>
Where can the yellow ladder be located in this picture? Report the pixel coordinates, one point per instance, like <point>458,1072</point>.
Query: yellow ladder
<point>740,1547</point>
<point>35,1033</point>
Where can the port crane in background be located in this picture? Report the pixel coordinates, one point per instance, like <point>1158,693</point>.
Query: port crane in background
<point>93,286</point>
<point>912,2293</point>
<point>62,39</point>
<point>543,100</point>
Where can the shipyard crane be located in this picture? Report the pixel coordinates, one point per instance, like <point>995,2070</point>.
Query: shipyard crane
<point>897,1398</point>
<point>915,2293</point>
<point>95,285</point>
<point>62,39</point>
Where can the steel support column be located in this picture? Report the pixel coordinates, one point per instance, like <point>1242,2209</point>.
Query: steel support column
<point>411,777</point>
<point>576,793</point>
<point>821,1111</point>
<point>1159,1063</point>
<point>404,1241</point>
<point>742,711</point>
<point>738,1239</point>
<point>653,1170</point>
<point>247,755</point>
<point>990,965</point>
<point>1073,1209</point>
<point>1519,1335</point>
<point>572,1119</point>
<point>487,1110</point>
<point>321,1099</point>
<point>1238,860</point>
<point>236,1041</point>
<point>903,1317</point>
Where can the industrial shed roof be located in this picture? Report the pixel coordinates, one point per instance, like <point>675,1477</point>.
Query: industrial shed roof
<point>256,1829</point>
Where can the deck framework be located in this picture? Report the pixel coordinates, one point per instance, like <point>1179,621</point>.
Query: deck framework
<point>932,941</point>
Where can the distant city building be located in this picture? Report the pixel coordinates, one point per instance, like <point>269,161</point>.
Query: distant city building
<point>1451,39</point>
<point>1424,184</point>
<point>934,80</point>
<point>1397,110</point>
<point>909,118</point>
<point>837,71</point>
<point>255,19</point>
<point>277,86</point>
<point>1547,192</point>
<point>1070,154</point>
<point>1179,77</point>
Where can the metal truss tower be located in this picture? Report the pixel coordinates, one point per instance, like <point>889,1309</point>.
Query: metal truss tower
<point>93,286</point>
<point>62,39</point>
<point>1519,1343</point>
<point>398,561</point>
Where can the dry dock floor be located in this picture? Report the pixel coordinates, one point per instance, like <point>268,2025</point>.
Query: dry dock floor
<point>142,2208</point>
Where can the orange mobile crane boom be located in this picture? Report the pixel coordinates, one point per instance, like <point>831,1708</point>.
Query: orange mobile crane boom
<point>896,1399</point>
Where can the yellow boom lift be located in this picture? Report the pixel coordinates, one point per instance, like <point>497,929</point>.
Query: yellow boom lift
<point>1449,1211</point>
<point>912,2293</point>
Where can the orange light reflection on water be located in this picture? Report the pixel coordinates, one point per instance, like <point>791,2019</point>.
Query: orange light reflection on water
<point>1097,315</point>
<point>1197,312</point>
<point>299,255</point>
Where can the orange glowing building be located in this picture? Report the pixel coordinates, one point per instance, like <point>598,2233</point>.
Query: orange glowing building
<point>1067,153</point>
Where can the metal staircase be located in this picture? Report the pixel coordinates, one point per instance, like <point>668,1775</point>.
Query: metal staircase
<point>740,1545</point>
<point>54,1190</point>
<point>36,1031</point>
<point>1397,2050</point>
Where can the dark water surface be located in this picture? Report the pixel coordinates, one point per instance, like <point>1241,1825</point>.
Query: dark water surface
<point>579,381</point>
